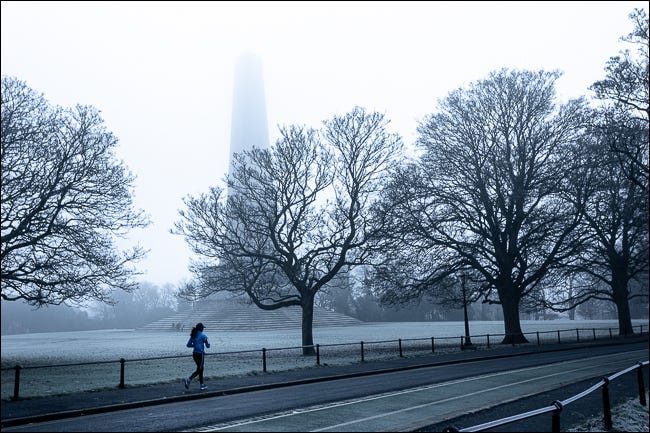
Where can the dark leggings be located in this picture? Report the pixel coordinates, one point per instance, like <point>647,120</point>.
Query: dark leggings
<point>198,359</point>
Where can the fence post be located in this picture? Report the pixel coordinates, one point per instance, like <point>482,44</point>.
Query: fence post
<point>577,335</point>
<point>488,340</point>
<point>362,356</point>
<point>558,336</point>
<point>16,381</point>
<point>610,333</point>
<point>639,376</point>
<point>607,411</point>
<point>594,331</point>
<point>318,354</point>
<point>264,359</point>
<point>462,340</point>
<point>400,348</point>
<point>122,362</point>
<point>555,424</point>
<point>433,347</point>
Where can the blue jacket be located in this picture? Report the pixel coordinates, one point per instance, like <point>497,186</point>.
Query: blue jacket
<point>198,342</point>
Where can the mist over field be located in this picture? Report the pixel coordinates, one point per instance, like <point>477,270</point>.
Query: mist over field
<point>161,356</point>
<point>112,344</point>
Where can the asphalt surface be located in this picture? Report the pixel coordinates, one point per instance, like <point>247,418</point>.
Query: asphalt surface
<point>571,416</point>
<point>25,411</point>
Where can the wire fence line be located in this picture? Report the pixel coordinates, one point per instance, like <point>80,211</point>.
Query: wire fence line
<point>27,381</point>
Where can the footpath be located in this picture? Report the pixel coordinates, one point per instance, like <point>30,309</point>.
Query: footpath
<point>24,411</point>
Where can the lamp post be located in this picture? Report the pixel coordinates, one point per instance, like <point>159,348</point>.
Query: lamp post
<point>468,341</point>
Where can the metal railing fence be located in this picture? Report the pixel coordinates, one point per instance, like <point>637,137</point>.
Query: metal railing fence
<point>55,379</point>
<point>557,406</point>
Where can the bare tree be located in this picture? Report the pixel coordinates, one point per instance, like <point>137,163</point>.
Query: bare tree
<point>65,199</point>
<point>616,221</point>
<point>616,214</point>
<point>626,89</point>
<point>488,192</point>
<point>296,216</point>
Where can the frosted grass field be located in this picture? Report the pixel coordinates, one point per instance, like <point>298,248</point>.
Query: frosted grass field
<point>339,345</point>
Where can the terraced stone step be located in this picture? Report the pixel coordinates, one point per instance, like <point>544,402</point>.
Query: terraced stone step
<point>233,315</point>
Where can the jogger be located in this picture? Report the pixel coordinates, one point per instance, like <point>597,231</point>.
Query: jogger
<point>197,340</point>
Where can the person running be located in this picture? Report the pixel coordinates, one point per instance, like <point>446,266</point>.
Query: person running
<point>197,340</point>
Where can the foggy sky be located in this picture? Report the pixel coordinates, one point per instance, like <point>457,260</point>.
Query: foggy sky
<point>162,73</point>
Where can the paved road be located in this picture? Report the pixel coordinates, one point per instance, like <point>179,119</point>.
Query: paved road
<point>414,407</point>
<point>390,401</point>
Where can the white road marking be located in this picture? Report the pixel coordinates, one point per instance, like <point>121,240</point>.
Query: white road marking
<point>224,426</point>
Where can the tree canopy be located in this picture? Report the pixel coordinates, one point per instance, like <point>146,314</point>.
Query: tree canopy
<point>488,193</point>
<point>613,264</point>
<point>295,216</point>
<point>65,200</point>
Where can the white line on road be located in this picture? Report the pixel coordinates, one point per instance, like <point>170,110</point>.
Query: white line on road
<point>402,392</point>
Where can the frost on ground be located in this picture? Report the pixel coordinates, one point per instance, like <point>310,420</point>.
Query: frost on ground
<point>65,362</point>
<point>629,416</point>
<point>113,344</point>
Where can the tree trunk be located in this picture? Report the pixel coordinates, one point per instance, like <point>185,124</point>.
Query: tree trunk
<point>619,289</point>
<point>307,326</point>
<point>511,322</point>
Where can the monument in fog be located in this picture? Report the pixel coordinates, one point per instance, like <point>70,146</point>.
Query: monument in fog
<point>249,126</point>
<point>225,311</point>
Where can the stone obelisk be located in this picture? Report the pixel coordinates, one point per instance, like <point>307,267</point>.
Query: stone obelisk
<point>249,127</point>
